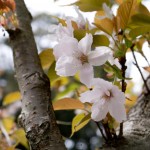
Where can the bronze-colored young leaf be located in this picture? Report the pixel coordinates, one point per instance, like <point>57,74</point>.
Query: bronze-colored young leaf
<point>11,97</point>
<point>7,5</point>
<point>106,25</point>
<point>68,104</point>
<point>147,69</point>
<point>47,58</point>
<point>125,11</point>
<point>79,121</point>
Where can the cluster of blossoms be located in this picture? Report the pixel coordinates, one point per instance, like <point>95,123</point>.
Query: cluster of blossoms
<point>73,56</point>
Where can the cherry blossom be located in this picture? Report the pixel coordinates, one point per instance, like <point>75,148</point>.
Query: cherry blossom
<point>105,97</point>
<point>73,56</point>
<point>64,31</point>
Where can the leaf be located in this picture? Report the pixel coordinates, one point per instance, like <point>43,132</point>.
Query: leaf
<point>8,123</point>
<point>68,104</point>
<point>106,25</point>
<point>147,69</point>
<point>10,148</point>
<point>115,70</point>
<point>139,31</point>
<point>11,97</point>
<point>119,1</point>
<point>20,137</point>
<point>47,58</point>
<point>100,40</point>
<point>79,121</point>
<point>126,11</point>
<point>69,88</point>
<point>7,5</point>
<point>52,73</point>
<point>90,5</point>
<point>139,20</point>
<point>79,34</point>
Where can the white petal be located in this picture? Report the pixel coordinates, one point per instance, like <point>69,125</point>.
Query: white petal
<point>66,66</point>
<point>97,57</point>
<point>86,74</point>
<point>90,96</point>
<point>118,111</point>
<point>85,44</point>
<point>99,110</point>
<point>65,47</point>
<point>115,61</point>
<point>118,95</point>
<point>102,84</point>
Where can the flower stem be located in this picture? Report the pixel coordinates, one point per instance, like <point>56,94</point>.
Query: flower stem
<point>136,64</point>
<point>100,129</point>
<point>123,68</point>
<point>107,131</point>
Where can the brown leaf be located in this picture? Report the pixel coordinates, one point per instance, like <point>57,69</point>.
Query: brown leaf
<point>7,5</point>
<point>147,69</point>
<point>68,104</point>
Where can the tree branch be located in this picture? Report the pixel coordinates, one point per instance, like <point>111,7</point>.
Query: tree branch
<point>37,116</point>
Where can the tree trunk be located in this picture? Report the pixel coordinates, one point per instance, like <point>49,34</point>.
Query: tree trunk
<point>37,116</point>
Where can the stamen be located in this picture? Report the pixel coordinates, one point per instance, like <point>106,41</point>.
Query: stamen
<point>83,58</point>
<point>107,95</point>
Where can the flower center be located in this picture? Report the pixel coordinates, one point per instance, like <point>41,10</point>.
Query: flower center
<point>83,58</point>
<point>107,95</point>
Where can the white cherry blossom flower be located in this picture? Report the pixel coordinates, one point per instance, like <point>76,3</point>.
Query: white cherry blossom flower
<point>73,56</point>
<point>64,31</point>
<point>105,97</point>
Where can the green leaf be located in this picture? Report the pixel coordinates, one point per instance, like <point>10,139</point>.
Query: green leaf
<point>70,88</point>
<point>79,121</point>
<point>119,53</point>
<point>126,11</point>
<point>68,104</point>
<point>139,20</point>
<point>11,98</point>
<point>47,58</point>
<point>90,5</point>
<point>115,70</point>
<point>52,73</point>
<point>100,40</point>
<point>139,31</point>
<point>79,34</point>
<point>128,43</point>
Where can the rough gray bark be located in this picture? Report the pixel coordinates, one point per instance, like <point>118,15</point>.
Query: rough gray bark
<point>37,116</point>
<point>136,128</point>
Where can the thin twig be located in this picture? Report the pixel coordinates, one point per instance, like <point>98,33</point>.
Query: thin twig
<point>100,129</point>
<point>136,64</point>
<point>5,134</point>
